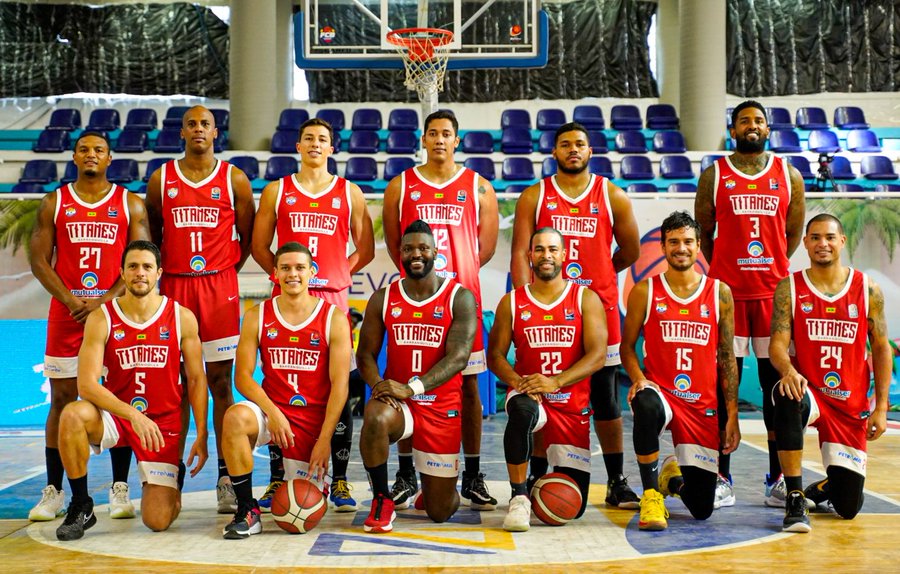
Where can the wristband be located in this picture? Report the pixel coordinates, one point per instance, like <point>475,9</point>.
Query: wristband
<point>417,386</point>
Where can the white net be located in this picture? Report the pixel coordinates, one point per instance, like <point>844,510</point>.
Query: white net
<point>425,55</point>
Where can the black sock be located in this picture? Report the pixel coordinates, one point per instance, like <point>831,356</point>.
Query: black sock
<point>473,465</point>
<point>223,468</point>
<point>406,463</point>
<point>243,488</point>
<point>182,470</point>
<point>518,488</point>
<point>774,463</point>
<point>55,468</point>
<point>276,463</point>
<point>725,465</point>
<point>614,464</point>
<point>121,461</point>
<point>378,479</point>
<point>539,466</point>
<point>793,483</point>
<point>79,487</point>
<point>649,474</point>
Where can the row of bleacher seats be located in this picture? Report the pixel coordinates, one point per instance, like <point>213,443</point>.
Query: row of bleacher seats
<point>824,141</point>
<point>811,118</point>
<point>141,119</point>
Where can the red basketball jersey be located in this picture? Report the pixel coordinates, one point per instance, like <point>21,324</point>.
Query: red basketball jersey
<point>586,223</point>
<point>417,335</point>
<point>322,223</point>
<point>681,339</point>
<point>90,240</point>
<point>750,254</point>
<point>451,209</point>
<point>829,335</point>
<point>199,230</point>
<point>549,340</point>
<point>143,360</point>
<point>294,358</point>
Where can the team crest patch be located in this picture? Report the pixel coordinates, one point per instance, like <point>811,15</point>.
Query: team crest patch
<point>438,312</point>
<point>395,312</point>
<point>461,196</point>
<point>551,206</point>
<point>415,196</point>
<point>164,334</point>
<point>70,211</point>
<point>773,184</point>
<point>704,311</point>
<point>298,401</point>
<point>525,315</point>
<point>314,339</point>
<point>852,311</point>
<point>271,332</point>
<point>198,263</point>
<point>682,382</point>
<point>140,404</point>
<point>595,209</point>
<point>806,307</point>
<point>118,334</point>
<point>112,212</point>
<point>729,184</point>
<point>291,200</point>
<point>570,314</point>
<point>573,270</point>
<point>172,192</point>
<point>336,203</point>
<point>215,193</point>
<point>661,307</point>
<point>89,280</point>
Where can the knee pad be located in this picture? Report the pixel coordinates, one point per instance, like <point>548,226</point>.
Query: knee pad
<point>605,394</point>
<point>649,418</point>
<point>699,491</point>
<point>790,418</point>
<point>845,491</point>
<point>582,479</point>
<point>523,418</point>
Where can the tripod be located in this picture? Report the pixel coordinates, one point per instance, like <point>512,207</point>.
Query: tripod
<point>824,175</point>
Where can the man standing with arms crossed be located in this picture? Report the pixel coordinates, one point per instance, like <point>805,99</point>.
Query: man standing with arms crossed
<point>461,208</point>
<point>201,216</point>
<point>87,224</point>
<point>323,212</point>
<point>750,207</point>
<point>591,212</point>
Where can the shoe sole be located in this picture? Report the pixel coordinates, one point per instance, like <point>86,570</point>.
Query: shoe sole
<point>226,509</point>
<point>774,503</point>
<point>381,529</point>
<point>800,527</point>
<point>345,508</point>
<point>121,514</point>
<point>727,502</point>
<point>652,526</point>
<point>44,517</point>
<point>235,535</point>
<point>87,526</point>
<point>624,505</point>
<point>516,528</point>
<point>482,507</point>
<point>401,505</point>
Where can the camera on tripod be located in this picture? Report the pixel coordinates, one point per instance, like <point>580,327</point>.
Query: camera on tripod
<point>824,174</point>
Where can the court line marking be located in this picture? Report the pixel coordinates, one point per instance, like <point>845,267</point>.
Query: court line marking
<point>34,471</point>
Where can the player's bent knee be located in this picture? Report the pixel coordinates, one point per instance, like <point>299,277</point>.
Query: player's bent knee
<point>846,488</point>
<point>605,394</point>
<point>788,423</point>
<point>159,506</point>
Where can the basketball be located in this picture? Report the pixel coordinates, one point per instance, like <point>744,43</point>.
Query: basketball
<point>298,506</point>
<point>555,499</point>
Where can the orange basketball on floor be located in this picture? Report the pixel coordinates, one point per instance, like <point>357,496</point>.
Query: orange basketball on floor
<point>298,506</point>
<point>555,499</point>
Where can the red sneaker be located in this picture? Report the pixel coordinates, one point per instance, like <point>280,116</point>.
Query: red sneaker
<point>381,517</point>
<point>420,502</point>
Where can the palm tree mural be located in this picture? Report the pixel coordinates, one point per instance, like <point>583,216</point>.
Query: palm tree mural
<point>881,216</point>
<point>17,220</point>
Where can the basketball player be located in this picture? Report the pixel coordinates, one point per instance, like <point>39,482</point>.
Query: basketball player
<point>591,212</point>
<point>750,206</point>
<point>139,337</point>
<point>324,212</point>
<point>430,323</point>
<point>827,312</point>
<point>688,326</point>
<point>559,331</point>
<point>461,208</point>
<point>304,345</point>
<point>201,216</point>
<point>85,225</point>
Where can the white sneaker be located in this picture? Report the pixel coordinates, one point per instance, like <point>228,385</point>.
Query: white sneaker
<point>518,518</point>
<point>776,492</point>
<point>724,493</point>
<point>226,501</point>
<point>120,505</point>
<point>51,506</point>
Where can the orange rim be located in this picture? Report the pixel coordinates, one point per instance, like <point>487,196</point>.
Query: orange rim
<point>419,42</point>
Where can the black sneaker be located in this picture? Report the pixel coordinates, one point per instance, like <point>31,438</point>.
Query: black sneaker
<point>796,513</point>
<point>405,487</point>
<point>246,521</point>
<point>816,494</point>
<point>79,517</point>
<point>620,495</point>
<point>265,501</point>
<point>475,491</point>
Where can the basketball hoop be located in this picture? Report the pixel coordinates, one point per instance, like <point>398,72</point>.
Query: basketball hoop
<point>425,54</point>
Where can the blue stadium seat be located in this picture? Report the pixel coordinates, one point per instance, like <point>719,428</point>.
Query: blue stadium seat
<point>220,144</point>
<point>550,119</point>
<point>631,142</point>
<point>366,119</point>
<point>845,187</point>
<point>477,142</point>
<point>682,188</point>
<point>484,166</point>
<point>367,189</point>
<point>812,118</point>
<point>336,144</point>
<point>708,160</point>
<point>784,141</point>
<point>878,167</point>
<point>169,141</point>
<point>599,165</point>
<point>52,141</point>
<point>66,119</point>
<point>123,171</point>
<point>636,167</point>
<point>279,166</point>
<point>38,171</point>
<point>642,188</point>
<point>591,117</point>
<point>70,174</point>
<point>841,168</point>
<point>518,169</point>
<point>515,188</point>
<point>401,141</point>
<point>284,142</point>
<point>549,167</point>
<point>887,187</point>
<point>174,116</point>
<point>291,119</point>
<point>364,141</point>
<point>403,119</point>
<point>22,187</point>
<point>361,169</point>
<point>823,141</point>
<point>669,142</point>
<point>156,163</point>
<point>331,166</point>
<point>515,119</point>
<point>779,119</point>
<point>675,167</point>
<point>625,117</point>
<point>222,117</point>
<point>334,117</point>
<point>662,117</point>
<point>850,118</point>
<point>143,119</point>
<point>597,141</point>
<point>516,140</point>
<point>247,164</point>
<point>802,165</point>
<point>132,141</point>
<point>394,166</point>
<point>863,141</point>
<point>546,142</point>
<point>103,120</point>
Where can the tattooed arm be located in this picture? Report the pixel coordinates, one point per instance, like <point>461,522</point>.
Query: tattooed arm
<point>726,367</point>
<point>705,211</point>
<point>882,358</point>
<point>792,383</point>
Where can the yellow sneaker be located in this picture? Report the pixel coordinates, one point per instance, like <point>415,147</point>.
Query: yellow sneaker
<point>669,470</point>
<point>653,511</point>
